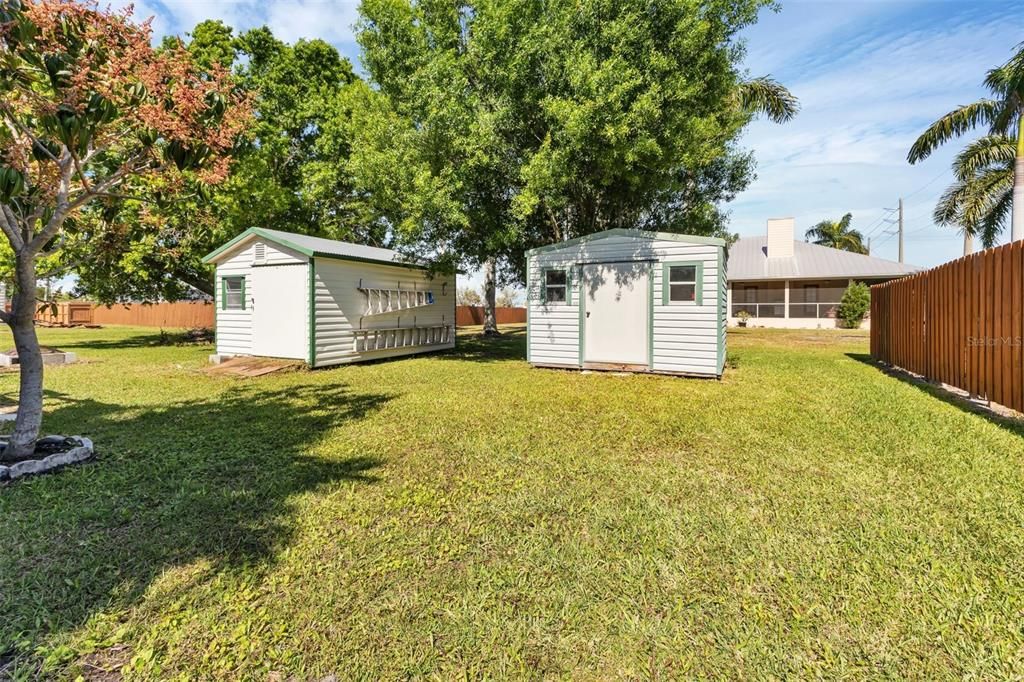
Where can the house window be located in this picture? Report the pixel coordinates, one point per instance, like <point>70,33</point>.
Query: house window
<point>682,283</point>
<point>556,286</point>
<point>811,293</point>
<point>233,293</point>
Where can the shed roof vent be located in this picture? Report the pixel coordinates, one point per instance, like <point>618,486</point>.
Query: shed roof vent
<point>259,252</point>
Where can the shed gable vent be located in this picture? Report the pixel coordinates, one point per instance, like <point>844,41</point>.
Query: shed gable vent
<point>260,252</point>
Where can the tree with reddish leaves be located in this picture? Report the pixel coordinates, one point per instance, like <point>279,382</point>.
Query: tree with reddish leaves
<point>92,113</point>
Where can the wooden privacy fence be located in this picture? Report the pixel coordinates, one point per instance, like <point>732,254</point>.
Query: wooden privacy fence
<point>185,314</point>
<point>959,323</point>
<point>469,315</point>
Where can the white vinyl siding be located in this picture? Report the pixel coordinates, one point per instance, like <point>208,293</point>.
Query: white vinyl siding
<point>685,335</point>
<point>340,308</point>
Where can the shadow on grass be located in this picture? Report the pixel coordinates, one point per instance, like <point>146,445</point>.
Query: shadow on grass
<point>191,481</point>
<point>1011,424</point>
<point>154,340</point>
<point>475,347</point>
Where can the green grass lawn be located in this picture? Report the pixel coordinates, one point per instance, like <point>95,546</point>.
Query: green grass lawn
<point>466,515</point>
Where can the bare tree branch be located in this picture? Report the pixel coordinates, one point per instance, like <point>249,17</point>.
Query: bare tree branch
<point>8,222</point>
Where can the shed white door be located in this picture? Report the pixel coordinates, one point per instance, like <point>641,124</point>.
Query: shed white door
<point>616,308</point>
<point>280,326</point>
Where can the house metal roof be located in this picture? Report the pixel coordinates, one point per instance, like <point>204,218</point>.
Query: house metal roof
<point>316,247</point>
<point>748,260</point>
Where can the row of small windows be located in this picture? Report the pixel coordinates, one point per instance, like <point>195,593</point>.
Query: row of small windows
<point>682,284</point>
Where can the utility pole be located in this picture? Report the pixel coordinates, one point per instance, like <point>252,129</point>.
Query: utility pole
<point>901,229</point>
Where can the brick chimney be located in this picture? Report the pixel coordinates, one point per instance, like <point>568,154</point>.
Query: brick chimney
<point>780,237</point>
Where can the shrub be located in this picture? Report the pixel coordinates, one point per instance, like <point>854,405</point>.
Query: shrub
<point>855,305</point>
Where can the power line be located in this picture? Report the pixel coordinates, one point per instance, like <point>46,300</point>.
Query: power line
<point>927,184</point>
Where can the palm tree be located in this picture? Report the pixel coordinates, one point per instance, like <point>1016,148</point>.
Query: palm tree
<point>837,235</point>
<point>980,197</point>
<point>767,96</point>
<point>1002,116</point>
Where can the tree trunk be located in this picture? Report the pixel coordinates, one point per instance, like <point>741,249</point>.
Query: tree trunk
<point>968,243</point>
<point>490,277</point>
<point>30,361</point>
<point>1017,209</point>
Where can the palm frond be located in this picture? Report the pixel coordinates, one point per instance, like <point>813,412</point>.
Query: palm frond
<point>1008,79</point>
<point>994,221</point>
<point>954,124</point>
<point>980,194</point>
<point>767,96</point>
<point>823,231</point>
<point>837,235</point>
<point>947,211</point>
<point>991,150</point>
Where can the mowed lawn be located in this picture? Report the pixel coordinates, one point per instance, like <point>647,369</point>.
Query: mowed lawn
<point>465,515</point>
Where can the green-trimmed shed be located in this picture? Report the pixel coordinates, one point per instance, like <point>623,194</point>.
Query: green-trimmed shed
<point>327,302</point>
<point>628,300</point>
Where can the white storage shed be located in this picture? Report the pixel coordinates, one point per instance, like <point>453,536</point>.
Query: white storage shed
<point>628,300</point>
<point>327,302</point>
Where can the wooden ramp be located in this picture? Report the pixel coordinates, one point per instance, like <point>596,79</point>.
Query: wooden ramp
<point>252,367</point>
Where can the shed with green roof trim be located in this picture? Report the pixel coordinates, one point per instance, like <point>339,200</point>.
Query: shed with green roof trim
<point>629,300</point>
<point>326,302</point>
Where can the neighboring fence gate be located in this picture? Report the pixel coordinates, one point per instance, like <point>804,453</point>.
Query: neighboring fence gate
<point>959,323</point>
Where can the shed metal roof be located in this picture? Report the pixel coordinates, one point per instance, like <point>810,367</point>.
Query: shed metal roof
<point>626,232</point>
<point>748,260</point>
<point>316,247</point>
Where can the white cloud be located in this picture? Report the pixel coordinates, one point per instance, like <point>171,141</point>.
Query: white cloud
<point>331,21</point>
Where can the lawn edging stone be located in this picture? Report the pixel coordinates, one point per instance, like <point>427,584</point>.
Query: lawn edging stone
<point>79,453</point>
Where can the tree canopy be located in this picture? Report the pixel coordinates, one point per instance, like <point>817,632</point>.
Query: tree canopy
<point>515,123</point>
<point>290,172</point>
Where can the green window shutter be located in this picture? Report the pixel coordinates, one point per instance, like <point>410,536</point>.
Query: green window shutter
<point>243,292</point>
<point>223,293</point>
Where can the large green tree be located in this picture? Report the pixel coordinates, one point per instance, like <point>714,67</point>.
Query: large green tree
<point>289,174</point>
<point>1003,117</point>
<point>516,123</point>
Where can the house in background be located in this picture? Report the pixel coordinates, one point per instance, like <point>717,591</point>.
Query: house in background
<point>782,282</point>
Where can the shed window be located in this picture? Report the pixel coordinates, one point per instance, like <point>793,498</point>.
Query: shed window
<point>682,283</point>
<point>556,287</point>
<point>233,293</point>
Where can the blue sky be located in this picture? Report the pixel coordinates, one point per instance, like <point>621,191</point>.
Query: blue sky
<point>870,76</point>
